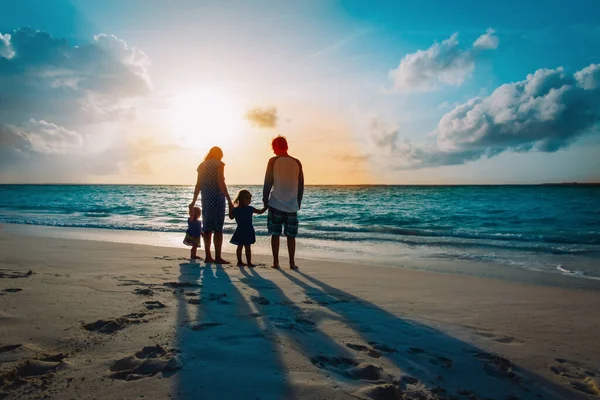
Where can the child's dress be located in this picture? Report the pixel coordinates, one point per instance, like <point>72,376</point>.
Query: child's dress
<point>192,235</point>
<point>244,233</point>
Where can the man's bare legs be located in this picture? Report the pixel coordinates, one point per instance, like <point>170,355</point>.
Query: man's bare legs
<point>218,244</point>
<point>207,236</point>
<point>275,250</point>
<point>291,243</point>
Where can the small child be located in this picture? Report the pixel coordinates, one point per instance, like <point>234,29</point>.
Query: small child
<point>244,235</point>
<point>194,230</point>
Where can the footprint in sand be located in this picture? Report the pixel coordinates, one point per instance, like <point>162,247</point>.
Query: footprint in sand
<point>383,347</point>
<point>154,305</point>
<point>116,324</point>
<point>204,325</point>
<point>32,368</point>
<point>433,359</point>
<point>129,282</point>
<point>11,274</point>
<point>150,361</point>
<point>260,300</point>
<point>4,349</point>
<point>220,298</point>
<point>144,292</point>
<point>497,366</point>
<point>182,285</point>
<point>499,338</point>
<point>364,349</point>
<point>581,377</point>
<point>350,368</point>
<point>12,290</point>
<point>406,387</point>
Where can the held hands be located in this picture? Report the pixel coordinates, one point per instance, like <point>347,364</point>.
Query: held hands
<point>261,211</point>
<point>230,204</point>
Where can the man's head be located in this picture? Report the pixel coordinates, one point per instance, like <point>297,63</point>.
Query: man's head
<point>280,146</point>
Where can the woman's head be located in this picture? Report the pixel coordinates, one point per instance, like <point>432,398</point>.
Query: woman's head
<point>215,153</point>
<point>243,198</point>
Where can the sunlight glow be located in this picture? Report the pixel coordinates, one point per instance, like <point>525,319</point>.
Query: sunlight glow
<point>200,116</point>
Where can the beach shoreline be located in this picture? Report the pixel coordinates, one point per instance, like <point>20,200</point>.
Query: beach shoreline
<point>560,277</point>
<point>290,332</point>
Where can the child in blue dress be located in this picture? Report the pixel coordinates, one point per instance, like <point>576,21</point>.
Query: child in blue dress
<point>193,233</point>
<point>244,235</point>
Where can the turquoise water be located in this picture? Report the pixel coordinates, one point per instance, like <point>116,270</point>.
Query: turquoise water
<point>549,228</point>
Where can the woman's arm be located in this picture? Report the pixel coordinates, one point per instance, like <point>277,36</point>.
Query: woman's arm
<point>221,182</point>
<point>196,192</point>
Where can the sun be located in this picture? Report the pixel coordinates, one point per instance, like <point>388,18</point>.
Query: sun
<point>204,118</point>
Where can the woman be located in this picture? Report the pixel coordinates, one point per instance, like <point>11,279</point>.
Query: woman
<point>211,183</point>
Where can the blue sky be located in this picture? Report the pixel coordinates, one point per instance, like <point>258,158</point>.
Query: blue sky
<point>372,92</point>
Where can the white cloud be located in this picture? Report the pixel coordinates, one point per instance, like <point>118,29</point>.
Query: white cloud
<point>133,58</point>
<point>589,77</point>
<point>41,137</point>
<point>6,50</point>
<point>442,64</point>
<point>545,112</point>
<point>51,80</point>
<point>62,106</point>
<point>487,41</point>
<point>383,134</point>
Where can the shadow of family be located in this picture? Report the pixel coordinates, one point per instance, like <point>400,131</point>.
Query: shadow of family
<point>242,336</point>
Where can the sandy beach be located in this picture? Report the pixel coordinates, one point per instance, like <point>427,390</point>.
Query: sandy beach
<point>85,319</point>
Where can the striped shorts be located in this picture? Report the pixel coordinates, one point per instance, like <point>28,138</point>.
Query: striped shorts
<point>278,221</point>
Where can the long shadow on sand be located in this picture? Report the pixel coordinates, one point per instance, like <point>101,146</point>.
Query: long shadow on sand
<point>225,356</point>
<point>436,364</point>
<point>294,329</point>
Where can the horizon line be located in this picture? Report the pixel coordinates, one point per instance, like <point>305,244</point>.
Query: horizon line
<point>574,183</point>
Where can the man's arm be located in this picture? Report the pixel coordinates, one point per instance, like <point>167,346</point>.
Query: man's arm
<point>269,179</point>
<point>300,184</point>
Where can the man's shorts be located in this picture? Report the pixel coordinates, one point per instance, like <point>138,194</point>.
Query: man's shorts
<point>276,220</point>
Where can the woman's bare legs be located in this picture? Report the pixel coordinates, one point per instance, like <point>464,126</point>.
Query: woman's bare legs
<point>218,244</point>
<point>207,236</point>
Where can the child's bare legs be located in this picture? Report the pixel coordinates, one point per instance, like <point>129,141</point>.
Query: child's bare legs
<point>193,255</point>
<point>248,249</point>
<point>238,252</point>
<point>207,236</point>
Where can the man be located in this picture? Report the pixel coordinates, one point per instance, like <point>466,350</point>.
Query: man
<point>282,193</point>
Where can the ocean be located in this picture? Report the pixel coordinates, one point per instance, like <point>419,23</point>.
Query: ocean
<point>554,229</point>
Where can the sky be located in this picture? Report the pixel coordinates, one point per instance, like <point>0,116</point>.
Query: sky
<point>386,92</point>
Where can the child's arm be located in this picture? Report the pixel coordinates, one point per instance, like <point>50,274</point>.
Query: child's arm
<point>230,211</point>
<point>261,211</point>
<point>190,209</point>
